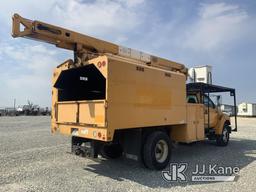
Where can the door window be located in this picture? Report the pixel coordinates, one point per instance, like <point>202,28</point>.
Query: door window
<point>206,100</point>
<point>192,99</point>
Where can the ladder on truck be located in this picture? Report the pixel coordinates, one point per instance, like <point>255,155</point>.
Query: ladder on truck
<point>82,45</point>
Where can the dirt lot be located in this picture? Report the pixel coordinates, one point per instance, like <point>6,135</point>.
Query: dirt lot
<point>31,159</point>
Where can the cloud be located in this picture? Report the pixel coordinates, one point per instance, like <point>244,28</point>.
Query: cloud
<point>217,9</point>
<point>195,37</point>
<point>217,25</point>
<point>111,19</point>
<point>27,72</point>
<point>103,18</point>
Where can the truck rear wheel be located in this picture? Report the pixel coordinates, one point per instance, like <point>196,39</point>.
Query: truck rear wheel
<point>157,150</point>
<point>111,151</point>
<point>223,139</point>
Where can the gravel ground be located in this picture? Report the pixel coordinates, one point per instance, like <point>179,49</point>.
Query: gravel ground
<point>31,159</point>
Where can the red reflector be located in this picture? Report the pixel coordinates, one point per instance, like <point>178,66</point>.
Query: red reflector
<point>103,63</point>
<point>99,134</point>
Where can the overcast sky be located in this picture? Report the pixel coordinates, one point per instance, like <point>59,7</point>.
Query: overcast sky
<point>192,32</point>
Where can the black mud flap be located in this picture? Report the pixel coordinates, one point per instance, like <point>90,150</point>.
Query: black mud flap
<point>132,143</point>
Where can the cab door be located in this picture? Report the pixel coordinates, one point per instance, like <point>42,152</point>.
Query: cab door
<point>213,112</point>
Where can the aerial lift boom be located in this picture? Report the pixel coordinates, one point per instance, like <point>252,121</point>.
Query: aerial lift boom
<point>83,45</point>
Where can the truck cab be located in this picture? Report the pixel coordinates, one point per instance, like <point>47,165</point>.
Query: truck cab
<point>217,124</point>
<point>213,108</point>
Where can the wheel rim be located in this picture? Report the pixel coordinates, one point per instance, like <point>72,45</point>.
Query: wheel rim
<point>161,151</point>
<point>225,135</point>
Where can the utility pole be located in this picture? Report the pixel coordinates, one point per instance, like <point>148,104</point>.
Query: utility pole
<point>14,104</point>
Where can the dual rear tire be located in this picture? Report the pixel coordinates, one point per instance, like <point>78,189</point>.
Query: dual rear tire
<point>156,152</point>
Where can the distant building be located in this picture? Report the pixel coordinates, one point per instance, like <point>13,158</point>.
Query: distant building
<point>247,109</point>
<point>10,111</point>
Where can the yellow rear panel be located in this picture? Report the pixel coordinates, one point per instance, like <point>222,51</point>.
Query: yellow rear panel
<point>81,112</point>
<point>66,112</point>
<point>92,113</point>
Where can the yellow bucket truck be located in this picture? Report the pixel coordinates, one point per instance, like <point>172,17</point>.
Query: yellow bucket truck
<point>117,101</point>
